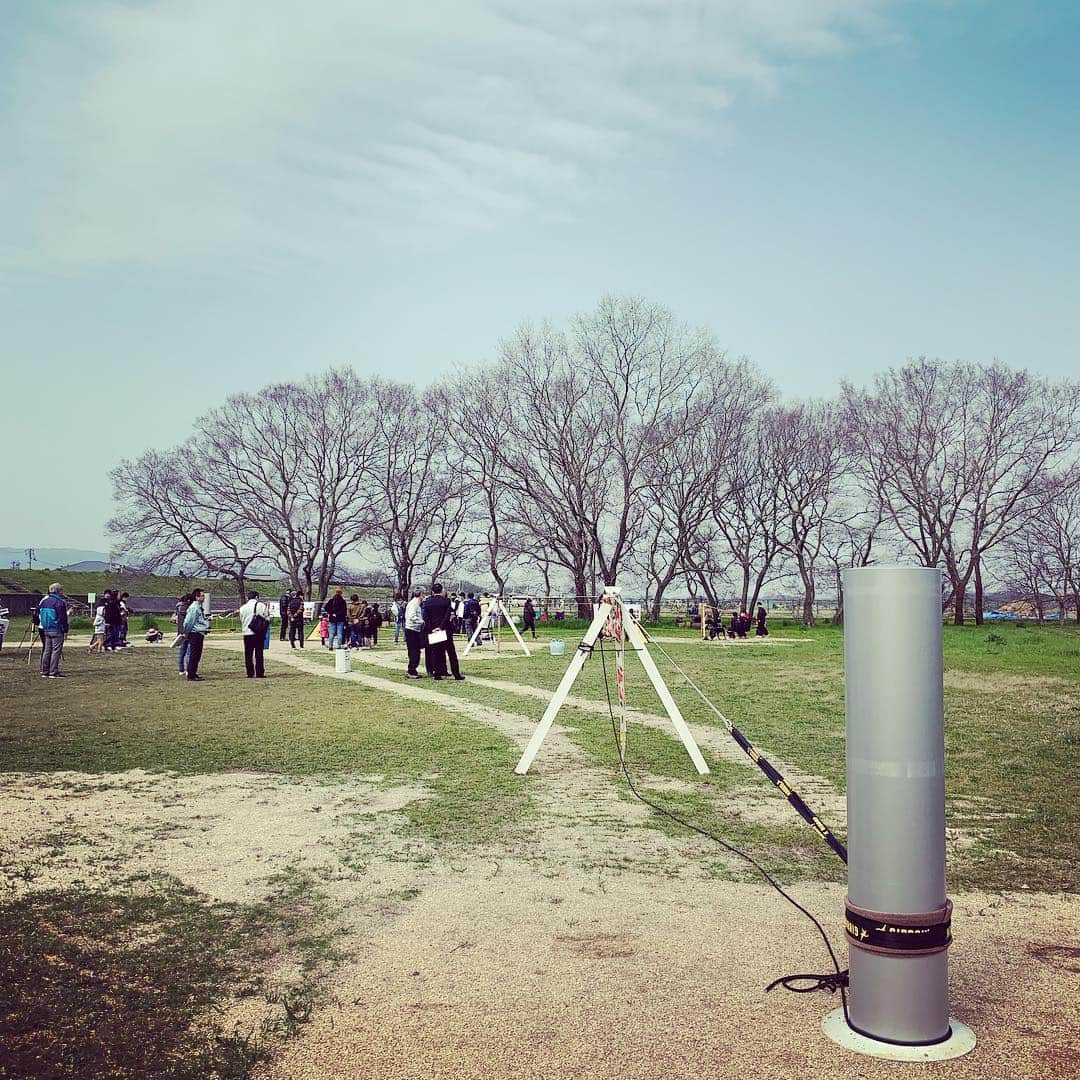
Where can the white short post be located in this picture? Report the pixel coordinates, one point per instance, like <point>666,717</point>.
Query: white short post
<point>898,919</point>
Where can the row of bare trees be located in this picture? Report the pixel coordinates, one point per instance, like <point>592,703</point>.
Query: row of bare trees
<point>624,445</point>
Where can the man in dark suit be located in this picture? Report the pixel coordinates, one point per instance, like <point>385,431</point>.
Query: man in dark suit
<point>283,611</point>
<point>438,615</point>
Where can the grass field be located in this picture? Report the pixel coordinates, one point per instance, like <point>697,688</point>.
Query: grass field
<point>142,973</point>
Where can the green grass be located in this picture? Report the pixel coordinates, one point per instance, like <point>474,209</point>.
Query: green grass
<point>1012,729</point>
<point>132,710</point>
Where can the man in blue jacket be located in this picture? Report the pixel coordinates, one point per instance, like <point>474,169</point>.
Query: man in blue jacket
<point>196,626</point>
<point>53,622</point>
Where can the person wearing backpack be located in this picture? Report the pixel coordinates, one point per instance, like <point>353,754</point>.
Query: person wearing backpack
<point>53,623</point>
<point>254,623</point>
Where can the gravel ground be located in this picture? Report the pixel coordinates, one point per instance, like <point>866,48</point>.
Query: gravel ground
<point>507,972</point>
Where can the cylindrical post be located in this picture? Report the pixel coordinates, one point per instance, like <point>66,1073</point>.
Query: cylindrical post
<point>898,917</point>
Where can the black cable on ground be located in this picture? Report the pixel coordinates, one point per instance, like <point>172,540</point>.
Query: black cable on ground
<point>836,980</point>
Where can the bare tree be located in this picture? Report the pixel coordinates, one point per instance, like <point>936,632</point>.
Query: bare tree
<point>292,462</point>
<point>164,516</point>
<point>810,462</point>
<point>955,451</point>
<point>419,493</point>
<point>691,475</point>
<point>1044,556</point>
<point>1026,569</point>
<point>747,512</point>
<point>492,535</point>
<point>849,538</point>
<point>585,414</point>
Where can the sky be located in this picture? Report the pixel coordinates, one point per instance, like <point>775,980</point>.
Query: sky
<point>199,198</point>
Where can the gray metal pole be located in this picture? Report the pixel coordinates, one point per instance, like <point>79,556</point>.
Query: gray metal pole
<point>897,919</point>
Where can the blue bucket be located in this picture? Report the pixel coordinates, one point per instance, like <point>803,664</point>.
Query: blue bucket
<point>557,646</point>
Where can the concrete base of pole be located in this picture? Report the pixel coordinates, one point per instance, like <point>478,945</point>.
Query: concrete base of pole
<point>961,1040</point>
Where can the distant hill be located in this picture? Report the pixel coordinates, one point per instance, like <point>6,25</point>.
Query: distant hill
<point>88,565</point>
<point>51,557</point>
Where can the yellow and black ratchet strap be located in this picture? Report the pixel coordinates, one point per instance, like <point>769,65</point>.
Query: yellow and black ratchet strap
<point>789,793</point>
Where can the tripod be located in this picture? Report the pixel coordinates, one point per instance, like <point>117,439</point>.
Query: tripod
<point>30,634</point>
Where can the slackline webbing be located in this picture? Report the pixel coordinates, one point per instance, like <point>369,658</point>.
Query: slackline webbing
<point>763,763</point>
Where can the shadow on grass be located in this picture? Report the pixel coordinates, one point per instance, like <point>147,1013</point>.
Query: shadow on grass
<point>124,985</point>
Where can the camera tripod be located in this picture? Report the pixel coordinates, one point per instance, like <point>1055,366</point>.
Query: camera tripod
<point>30,634</point>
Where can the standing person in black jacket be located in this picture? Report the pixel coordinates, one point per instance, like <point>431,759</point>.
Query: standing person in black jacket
<point>114,620</point>
<point>337,612</point>
<point>296,619</point>
<point>472,616</point>
<point>528,618</point>
<point>374,621</point>
<point>283,611</point>
<point>438,615</point>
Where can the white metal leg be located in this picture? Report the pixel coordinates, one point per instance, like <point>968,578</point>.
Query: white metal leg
<point>475,636</point>
<point>633,632</point>
<point>560,695</point>
<point>510,623</point>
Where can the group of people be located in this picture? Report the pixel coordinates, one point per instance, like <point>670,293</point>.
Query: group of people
<point>429,628</point>
<point>354,623</point>
<point>111,622</point>
<point>738,625</point>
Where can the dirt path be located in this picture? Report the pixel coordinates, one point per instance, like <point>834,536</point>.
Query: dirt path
<point>583,819</point>
<point>511,974</point>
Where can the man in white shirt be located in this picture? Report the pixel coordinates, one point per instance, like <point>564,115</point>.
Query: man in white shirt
<point>414,632</point>
<point>254,637</point>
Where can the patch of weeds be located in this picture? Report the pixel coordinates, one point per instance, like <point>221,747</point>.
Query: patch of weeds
<point>297,1004</point>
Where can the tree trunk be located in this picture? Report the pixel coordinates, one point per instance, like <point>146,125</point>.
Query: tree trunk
<point>581,589</point>
<point>808,602</point>
<point>838,617</point>
<point>978,591</point>
<point>958,605</point>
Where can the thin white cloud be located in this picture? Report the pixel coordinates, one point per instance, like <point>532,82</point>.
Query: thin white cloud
<point>181,131</point>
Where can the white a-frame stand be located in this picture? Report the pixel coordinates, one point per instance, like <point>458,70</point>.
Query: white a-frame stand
<point>496,608</point>
<point>609,618</point>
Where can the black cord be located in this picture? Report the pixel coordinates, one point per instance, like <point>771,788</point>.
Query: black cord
<point>837,980</point>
